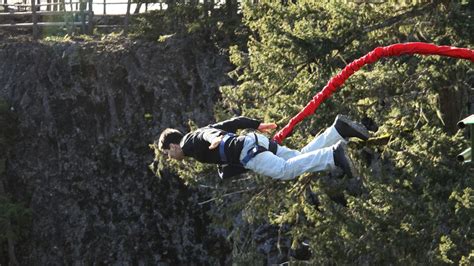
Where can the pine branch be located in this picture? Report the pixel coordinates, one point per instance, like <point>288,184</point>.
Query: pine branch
<point>226,195</point>
<point>417,11</point>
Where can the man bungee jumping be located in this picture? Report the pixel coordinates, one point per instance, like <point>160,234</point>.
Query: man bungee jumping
<point>235,154</point>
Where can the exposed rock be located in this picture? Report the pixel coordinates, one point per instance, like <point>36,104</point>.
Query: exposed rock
<point>86,114</point>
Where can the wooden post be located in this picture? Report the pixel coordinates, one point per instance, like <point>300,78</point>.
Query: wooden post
<point>73,18</point>
<point>105,4</point>
<point>83,16</point>
<point>62,8</point>
<point>127,16</point>
<point>35,19</point>
<point>91,19</point>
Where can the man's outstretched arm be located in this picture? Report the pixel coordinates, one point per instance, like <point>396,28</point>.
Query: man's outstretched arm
<point>236,123</point>
<point>262,127</point>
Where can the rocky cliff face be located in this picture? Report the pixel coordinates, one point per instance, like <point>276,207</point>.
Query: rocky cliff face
<point>86,114</point>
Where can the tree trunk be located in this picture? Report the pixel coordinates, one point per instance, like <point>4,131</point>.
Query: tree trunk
<point>127,16</point>
<point>211,6</point>
<point>83,15</point>
<point>170,4</point>
<point>90,21</point>
<point>35,19</point>
<point>231,7</point>
<point>205,4</point>
<point>137,8</point>
<point>72,28</point>
<point>452,103</point>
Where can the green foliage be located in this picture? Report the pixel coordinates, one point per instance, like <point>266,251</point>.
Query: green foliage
<point>194,19</point>
<point>58,39</point>
<point>417,204</point>
<point>14,217</point>
<point>181,19</point>
<point>157,22</point>
<point>66,38</point>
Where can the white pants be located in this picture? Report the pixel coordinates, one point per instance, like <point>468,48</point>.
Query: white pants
<point>287,164</point>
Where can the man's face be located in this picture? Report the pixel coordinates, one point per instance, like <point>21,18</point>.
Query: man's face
<point>174,152</point>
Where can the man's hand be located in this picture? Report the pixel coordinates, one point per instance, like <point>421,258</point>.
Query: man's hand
<point>215,143</point>
<point>266,127</point>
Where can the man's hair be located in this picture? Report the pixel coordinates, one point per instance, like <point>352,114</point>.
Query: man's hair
<point>169,135</point>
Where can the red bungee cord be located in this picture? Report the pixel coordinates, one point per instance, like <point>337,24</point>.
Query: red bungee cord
<point>374,55</point>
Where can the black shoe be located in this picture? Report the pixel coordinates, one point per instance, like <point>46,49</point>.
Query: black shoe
<point>342,160</point>
<point>348,128</point>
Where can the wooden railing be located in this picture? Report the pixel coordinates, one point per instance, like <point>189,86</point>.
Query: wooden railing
<point>75,14</point>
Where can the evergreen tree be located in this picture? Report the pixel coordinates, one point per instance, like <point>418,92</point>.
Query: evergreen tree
<point>416,203</point>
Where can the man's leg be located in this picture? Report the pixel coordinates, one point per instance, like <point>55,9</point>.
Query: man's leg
<point>279,167</point>
<point>286,153</point>
<point>329,137</point>
<point>341,129</point>
<point>267,163</point>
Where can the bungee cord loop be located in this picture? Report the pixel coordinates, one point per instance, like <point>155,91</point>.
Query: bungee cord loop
<point>379,52</point>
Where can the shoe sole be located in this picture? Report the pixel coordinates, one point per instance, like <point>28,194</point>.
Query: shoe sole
<point>361,129</point>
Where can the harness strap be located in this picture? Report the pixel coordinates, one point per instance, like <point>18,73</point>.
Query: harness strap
<point>272,147</point>
<point>222,146</point>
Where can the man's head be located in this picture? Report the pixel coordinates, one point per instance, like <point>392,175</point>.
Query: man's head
<point>168,143</point>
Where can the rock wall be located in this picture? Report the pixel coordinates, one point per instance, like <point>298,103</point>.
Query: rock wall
<point>86,114</point>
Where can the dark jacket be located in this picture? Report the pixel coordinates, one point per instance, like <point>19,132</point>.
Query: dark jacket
<point>196,144</point>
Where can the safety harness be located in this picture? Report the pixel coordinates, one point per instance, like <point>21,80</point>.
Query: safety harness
<point>254,151</point>
<point>222,146</point>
